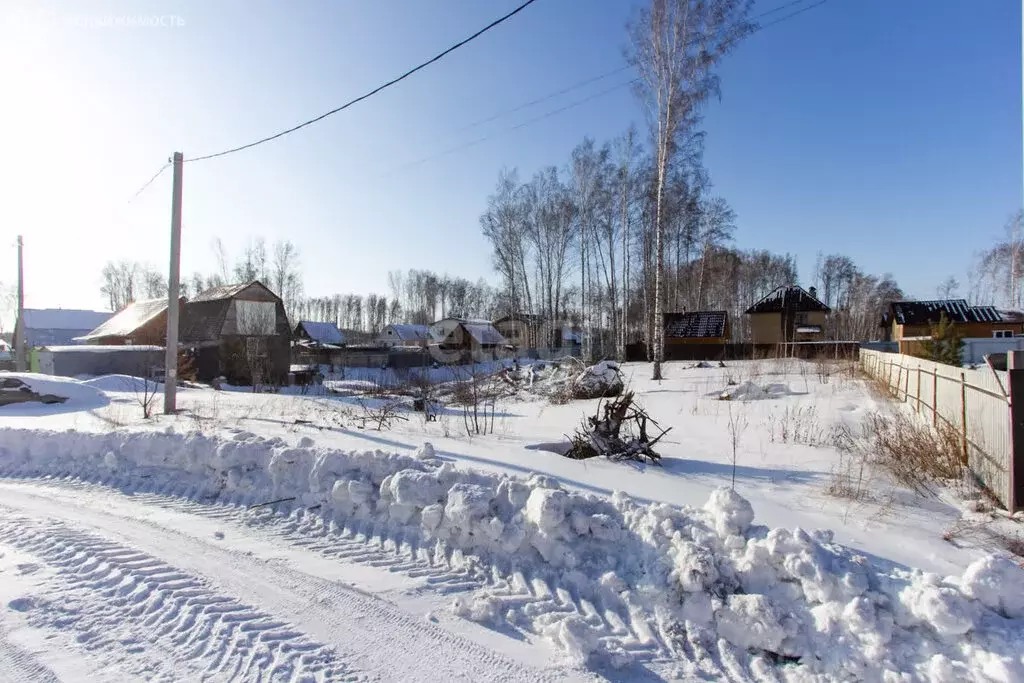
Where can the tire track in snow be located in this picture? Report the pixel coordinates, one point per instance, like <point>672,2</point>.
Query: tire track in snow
<point>619,628</point>
<point>18,666</point>
<point>118,599</point>
<point>327,611</point>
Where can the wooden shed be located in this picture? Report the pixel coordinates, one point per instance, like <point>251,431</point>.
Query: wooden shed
<point>240,332</point>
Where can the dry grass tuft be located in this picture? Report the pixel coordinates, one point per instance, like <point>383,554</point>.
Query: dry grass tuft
<point>917,456</point>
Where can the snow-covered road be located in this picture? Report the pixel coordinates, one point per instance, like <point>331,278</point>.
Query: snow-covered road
<point>100,585</point>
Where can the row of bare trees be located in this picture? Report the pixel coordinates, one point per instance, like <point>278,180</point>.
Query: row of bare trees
<point>998,274</point>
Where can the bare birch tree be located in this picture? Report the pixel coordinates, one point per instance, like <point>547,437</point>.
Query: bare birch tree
<point>675,44</point>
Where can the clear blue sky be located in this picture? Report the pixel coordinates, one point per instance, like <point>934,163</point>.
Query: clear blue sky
<point>888,130</point>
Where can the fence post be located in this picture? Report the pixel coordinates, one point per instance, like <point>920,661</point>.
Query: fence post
<point>906,387</point>
<point>1015,467</point>
<point>919,389</point>
<point>963,413</point>
<point>935,396</point>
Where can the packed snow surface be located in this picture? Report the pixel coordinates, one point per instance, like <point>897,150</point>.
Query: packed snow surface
<point>608,580</point>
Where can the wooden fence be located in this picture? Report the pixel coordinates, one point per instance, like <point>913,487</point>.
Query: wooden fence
<point>974,402</point>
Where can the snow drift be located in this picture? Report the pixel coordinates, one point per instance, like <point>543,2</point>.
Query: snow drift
<point>704,586</point>
<point>79,395</point>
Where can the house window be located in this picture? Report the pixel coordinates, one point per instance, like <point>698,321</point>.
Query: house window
<point>1002,334</point>
<point>801,318</point>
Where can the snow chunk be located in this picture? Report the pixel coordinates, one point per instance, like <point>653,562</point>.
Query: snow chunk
<point>546,508</point>
<point>944,609</point>
<point>997,583</point>
<point>751,622</point>
<point>418,489</point>
<point>730,512</point>
<point>467,504</point>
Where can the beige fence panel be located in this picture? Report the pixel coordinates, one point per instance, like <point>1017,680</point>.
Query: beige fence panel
<point>973,402</point>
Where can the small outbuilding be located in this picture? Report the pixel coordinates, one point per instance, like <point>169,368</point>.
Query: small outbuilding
<point>73,361</point>
<point>317,343</point>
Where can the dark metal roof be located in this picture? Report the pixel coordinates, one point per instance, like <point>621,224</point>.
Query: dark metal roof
<point>929,312</point>
<point>789,298</point>
<point>203,320</point>
<point>696,324</point>
<point>231,291</point>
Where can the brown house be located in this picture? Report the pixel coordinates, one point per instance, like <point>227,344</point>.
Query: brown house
<point>910,322</point>
<point>523,330</point>
<point>140,322</point>
<point>788,314</point>
<point>240,332</point>
<point>473,341</point>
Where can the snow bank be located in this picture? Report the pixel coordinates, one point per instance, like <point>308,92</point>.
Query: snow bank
<point>79,395</point>
<point>695,584</point>
<point>126,383</point>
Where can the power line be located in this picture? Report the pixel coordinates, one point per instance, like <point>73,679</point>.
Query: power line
<point>599,77</point>
<point>376,90</point>
<point>572,105</point>
<point>790,15</point>
<point>563,91</point>
<point>150,182</point>
<point>529,122</point>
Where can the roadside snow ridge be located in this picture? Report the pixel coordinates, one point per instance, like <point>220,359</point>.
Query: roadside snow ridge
<point>610,581</point>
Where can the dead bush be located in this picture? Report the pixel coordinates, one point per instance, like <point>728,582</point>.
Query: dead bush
<point>917,456</point>
<point>384,414</point>
<point>797,424</point>
<point>986,534</point>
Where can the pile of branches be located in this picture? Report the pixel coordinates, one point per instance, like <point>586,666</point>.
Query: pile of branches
<point>618,431</point>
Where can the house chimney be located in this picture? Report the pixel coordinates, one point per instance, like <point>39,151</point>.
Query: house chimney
<point>813,291</point>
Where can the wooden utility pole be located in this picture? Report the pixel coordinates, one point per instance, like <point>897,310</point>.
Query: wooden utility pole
<point>173,292</point>
<point>19,322</point>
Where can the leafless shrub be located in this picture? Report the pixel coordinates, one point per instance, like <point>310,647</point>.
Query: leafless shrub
<point>145,391</point>
<point>477,393</point>
<point>737,425</point>
<point>986,534</point>
<point>384,414</point>
<point>797,424</point>
<point>915,454</point>
<point>850,478</point>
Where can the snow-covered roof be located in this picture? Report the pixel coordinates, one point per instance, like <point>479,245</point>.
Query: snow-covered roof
<point>128,320</point>
<point>323,333</point>
<point>484,333</point>
<point>406,332</point>
<point>63,319</point>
